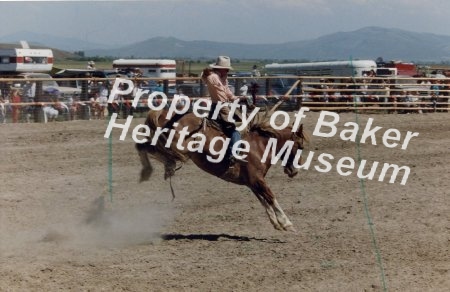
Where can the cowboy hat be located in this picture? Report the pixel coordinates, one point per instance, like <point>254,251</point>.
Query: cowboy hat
<point>222,62</point>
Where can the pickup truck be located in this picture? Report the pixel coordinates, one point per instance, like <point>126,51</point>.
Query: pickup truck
<point>49,82</point>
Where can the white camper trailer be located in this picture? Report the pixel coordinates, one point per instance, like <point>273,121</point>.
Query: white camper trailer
<point>25,59</point>
<point>337,68</point>
<point>159,68</point>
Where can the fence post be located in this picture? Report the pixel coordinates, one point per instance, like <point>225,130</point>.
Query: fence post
<point>395,104</point>
<point>85,109</point>
<point>37,112</point>
<point>166,87</point>
<point>299,99</point>
<point>202,87</point>
<point>237,86</point>
<point>267,87</point>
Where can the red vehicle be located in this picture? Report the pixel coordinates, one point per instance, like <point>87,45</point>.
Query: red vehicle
<point>403,69</point>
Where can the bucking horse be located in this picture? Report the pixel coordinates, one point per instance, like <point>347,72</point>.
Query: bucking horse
<point>251,174</point>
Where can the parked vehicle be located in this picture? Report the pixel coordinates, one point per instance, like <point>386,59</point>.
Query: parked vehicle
<point>349,68</point>
<point>47,82</point>
<point>77,80</point>
<point>66,95</point>
<point>160,68</point>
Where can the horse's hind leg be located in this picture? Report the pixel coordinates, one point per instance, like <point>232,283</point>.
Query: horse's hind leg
<point>147,168</point>
<point>281,217</point>
<point>169,169</point>
<point>270,212</point>
<point>277,216</point>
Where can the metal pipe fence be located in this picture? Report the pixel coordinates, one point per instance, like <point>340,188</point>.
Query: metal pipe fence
<point>19,103</point>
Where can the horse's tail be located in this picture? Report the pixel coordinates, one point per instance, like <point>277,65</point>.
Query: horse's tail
<point>153,121</point>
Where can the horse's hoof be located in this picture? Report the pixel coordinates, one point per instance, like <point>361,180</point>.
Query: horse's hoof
<point>278,227</point>
<point>290,228</point>
<point>145,175</point>
<point>167,175</point>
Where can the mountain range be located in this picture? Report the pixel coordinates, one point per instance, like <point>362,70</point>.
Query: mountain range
<point>364,43</point>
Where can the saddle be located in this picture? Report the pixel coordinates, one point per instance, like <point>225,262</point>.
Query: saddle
<point>227,129</point>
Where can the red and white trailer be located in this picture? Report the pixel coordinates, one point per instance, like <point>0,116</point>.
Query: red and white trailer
<point>25,59</point>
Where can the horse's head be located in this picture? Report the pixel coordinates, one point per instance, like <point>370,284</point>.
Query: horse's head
<point>299,137</point>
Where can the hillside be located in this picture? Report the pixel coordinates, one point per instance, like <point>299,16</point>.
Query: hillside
<point>365,43</point>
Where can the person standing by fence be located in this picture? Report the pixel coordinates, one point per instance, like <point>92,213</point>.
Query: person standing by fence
<point>116,105</point>
<point>15,100</point>
<point>254,87</point>
<point>2,110</point>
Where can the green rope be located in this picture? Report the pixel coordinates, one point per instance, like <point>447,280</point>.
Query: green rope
<point>362,187</point>
<point>110,186</point>
<point>110,160</point>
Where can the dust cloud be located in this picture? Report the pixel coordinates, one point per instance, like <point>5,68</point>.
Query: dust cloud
<point>103,225</point>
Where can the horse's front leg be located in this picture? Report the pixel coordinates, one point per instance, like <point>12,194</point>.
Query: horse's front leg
<point>276,215</point>
<point>281,217</point>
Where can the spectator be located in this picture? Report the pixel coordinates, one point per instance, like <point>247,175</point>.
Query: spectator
<point>443,99</point>
<point>364,87</point>
<point>91,65</point>
<point>29,91</point>
<point>15,100</point>
<point>49,107</point>
<point>244,88</point>
<point>181,102</point>
<point>159,87</point>
<point>435,87</point>
<point>116,104</point>
<point>425,86</point>
<point>255,71</point>
<point>50,113</point>
<point>2,110</point>
<point>254,88</point>
<point>102,100</point>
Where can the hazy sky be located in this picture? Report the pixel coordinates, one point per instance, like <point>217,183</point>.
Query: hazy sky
<point>249,21</point>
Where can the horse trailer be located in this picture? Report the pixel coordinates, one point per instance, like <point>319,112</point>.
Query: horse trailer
<point>336,68</point>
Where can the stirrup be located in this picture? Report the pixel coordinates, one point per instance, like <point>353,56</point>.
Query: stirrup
<point>233,160</point>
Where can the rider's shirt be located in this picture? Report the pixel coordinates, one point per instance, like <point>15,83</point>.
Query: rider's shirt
<point>218,89</point>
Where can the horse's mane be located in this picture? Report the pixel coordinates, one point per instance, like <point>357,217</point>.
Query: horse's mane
<point>261,125</point>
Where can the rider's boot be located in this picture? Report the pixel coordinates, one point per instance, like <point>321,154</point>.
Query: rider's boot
<point>232,160</point>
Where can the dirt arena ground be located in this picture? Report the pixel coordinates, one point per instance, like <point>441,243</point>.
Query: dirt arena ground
<point>61,229</point>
